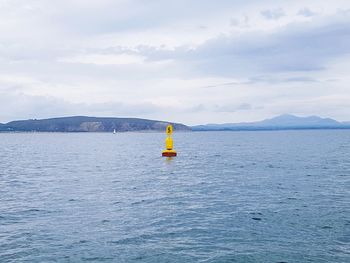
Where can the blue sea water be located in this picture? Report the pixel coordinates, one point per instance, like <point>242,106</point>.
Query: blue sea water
<point>278,196</point>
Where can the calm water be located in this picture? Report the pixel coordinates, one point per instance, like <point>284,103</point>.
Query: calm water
<point>227,197</point>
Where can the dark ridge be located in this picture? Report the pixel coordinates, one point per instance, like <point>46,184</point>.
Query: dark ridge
<point>89,124</point>
<point>3,127</point>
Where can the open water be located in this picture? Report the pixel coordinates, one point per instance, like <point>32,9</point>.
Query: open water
<point>278,196</point>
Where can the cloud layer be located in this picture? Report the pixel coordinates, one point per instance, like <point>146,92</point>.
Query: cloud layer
<point>185,61</point>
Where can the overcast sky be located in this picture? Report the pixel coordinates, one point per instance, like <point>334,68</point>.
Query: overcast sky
<point>189,61</point>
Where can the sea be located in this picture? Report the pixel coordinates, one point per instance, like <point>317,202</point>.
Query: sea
<point>252,196</point>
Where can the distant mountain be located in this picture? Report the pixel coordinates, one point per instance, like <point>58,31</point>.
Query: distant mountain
<point>89,124</point>
<point>282,122</point>
<point>288,120</point>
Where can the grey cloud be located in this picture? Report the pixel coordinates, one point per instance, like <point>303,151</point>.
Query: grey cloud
<point>223,84</point>
<point>278,80</point>
<point>119,108</point>
<point>273,13</point>
<point>300,79</point>
<point>244,106</point>
<point>196,108</point>
<point>307,46</point>
<point>298,47</point>
<point>306,12</point>
<point>132,15</point>
<point>15,105</point>
<point>241,22</point>
<point>233,107</point>
<point>223,108</point>
<point>36,35</point>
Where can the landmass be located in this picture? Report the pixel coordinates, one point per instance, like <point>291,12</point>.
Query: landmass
<point>282,122</point>
<point>107,124</point>
<point>89,124</point>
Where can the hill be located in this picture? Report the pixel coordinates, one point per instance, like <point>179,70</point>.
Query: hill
<point>282,122</point>
<point>89,124</point>
<point>2,127</point>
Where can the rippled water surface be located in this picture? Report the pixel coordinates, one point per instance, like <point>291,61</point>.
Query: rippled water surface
<point>281,196</point>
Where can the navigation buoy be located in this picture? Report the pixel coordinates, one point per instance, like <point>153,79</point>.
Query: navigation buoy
<point>169,144</point>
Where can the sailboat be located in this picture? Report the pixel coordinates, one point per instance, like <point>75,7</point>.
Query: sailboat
<point>114,131</point>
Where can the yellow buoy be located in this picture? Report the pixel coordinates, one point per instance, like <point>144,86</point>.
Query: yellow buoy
<point>169,143</point>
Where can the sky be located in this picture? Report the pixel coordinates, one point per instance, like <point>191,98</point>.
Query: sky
<point>187,61</point>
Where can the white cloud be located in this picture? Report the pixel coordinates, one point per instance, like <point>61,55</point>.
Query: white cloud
<point>104,59</point>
